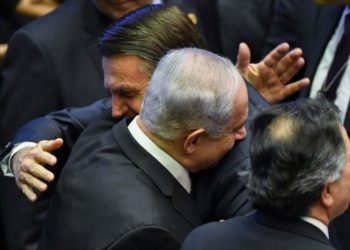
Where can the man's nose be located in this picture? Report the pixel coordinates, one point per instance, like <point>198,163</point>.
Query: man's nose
<point>119,107</point>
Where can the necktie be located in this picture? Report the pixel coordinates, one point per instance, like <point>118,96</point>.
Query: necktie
<point>338,65</point>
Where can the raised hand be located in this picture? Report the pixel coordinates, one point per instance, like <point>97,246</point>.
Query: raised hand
<point>271,76</point>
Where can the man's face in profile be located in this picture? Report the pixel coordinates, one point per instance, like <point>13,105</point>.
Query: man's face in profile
<point>115,9</point>
<point>210,150</point>
<point>125,78</point>
<point>341,188</point>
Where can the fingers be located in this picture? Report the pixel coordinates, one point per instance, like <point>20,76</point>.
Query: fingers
<point>39,156</point>
<point>289,61</point>
<point>243,57</point>
<point>36,170</point>
<point>294,87</point>
<point>274,57</point>
<point>28,167</point>
<point>32,182</point>
<point>28,192</point>
<point>293,69</point>
<point>51,145</point>
<point>41,153</point>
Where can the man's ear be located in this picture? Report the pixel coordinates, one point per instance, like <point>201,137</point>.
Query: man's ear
<point>191,140</point>
<point>326,196</point>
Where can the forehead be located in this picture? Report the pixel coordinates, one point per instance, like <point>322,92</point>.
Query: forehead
<point>123,69</point>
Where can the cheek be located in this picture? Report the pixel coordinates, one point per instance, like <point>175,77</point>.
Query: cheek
<point>230,142</point>
<point>226,145</point>
<point>135,105</point>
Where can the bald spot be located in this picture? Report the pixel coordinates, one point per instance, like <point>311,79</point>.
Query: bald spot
<point>281,128</point>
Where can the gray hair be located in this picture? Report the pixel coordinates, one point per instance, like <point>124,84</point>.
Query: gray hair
<point>296,149</point>
<point>190,88</point>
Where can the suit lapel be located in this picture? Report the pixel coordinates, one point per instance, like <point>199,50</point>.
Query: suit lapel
<point>185,205</point>
<point>167,184</point>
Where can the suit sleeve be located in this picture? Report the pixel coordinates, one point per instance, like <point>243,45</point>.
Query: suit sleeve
<point>148,237</point>
<point>28,88</point>
<point>66,124</point>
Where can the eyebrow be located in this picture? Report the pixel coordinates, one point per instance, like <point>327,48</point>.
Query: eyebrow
<point>122,88</point>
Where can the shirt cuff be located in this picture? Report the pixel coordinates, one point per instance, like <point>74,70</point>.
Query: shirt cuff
<point>6,161</point>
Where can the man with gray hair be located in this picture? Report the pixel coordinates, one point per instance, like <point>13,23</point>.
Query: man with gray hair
<point>129,187</point>
<point>299,181</point>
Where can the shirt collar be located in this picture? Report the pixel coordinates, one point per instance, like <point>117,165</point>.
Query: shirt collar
<point>317,224</point>
<point>176,170</point>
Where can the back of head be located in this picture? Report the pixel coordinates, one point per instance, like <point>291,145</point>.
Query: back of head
<point>150,32</point>
<point>190,89</point>
<point>296,149</point>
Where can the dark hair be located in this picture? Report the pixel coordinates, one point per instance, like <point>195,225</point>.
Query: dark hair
<point>150,32</point>
<point>296,148</point>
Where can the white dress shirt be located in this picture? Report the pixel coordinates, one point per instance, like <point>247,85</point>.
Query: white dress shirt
<point>343,91</point>
<point>317,224</point>
<point>176,170</point>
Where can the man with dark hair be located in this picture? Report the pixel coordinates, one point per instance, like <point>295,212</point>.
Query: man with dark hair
<point>299,181</point>
<point>321,28</point>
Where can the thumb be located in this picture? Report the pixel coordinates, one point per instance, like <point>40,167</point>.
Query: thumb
<point>243,57</point>
<point>51,145</point>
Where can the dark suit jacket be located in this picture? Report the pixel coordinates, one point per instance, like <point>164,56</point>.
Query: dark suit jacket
<point>52,63</point>
<point>226,23</point>
<point>219,192</point>
<point>258,231</point>
<point>112,194</point>
<point>22,220</point>
<point>310,27</point>
<point>303,24</point>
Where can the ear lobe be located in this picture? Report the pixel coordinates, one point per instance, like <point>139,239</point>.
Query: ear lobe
<point>326,196</point>
<point>191,140</point>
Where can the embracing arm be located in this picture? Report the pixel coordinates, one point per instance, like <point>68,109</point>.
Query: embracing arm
<point>28,163</point>
<point>66,124</point>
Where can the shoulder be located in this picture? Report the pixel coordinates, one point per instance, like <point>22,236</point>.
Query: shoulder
<point>216,235</point>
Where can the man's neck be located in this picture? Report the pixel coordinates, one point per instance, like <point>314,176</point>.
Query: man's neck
<point>320,213</point>
<point>172,148</point>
